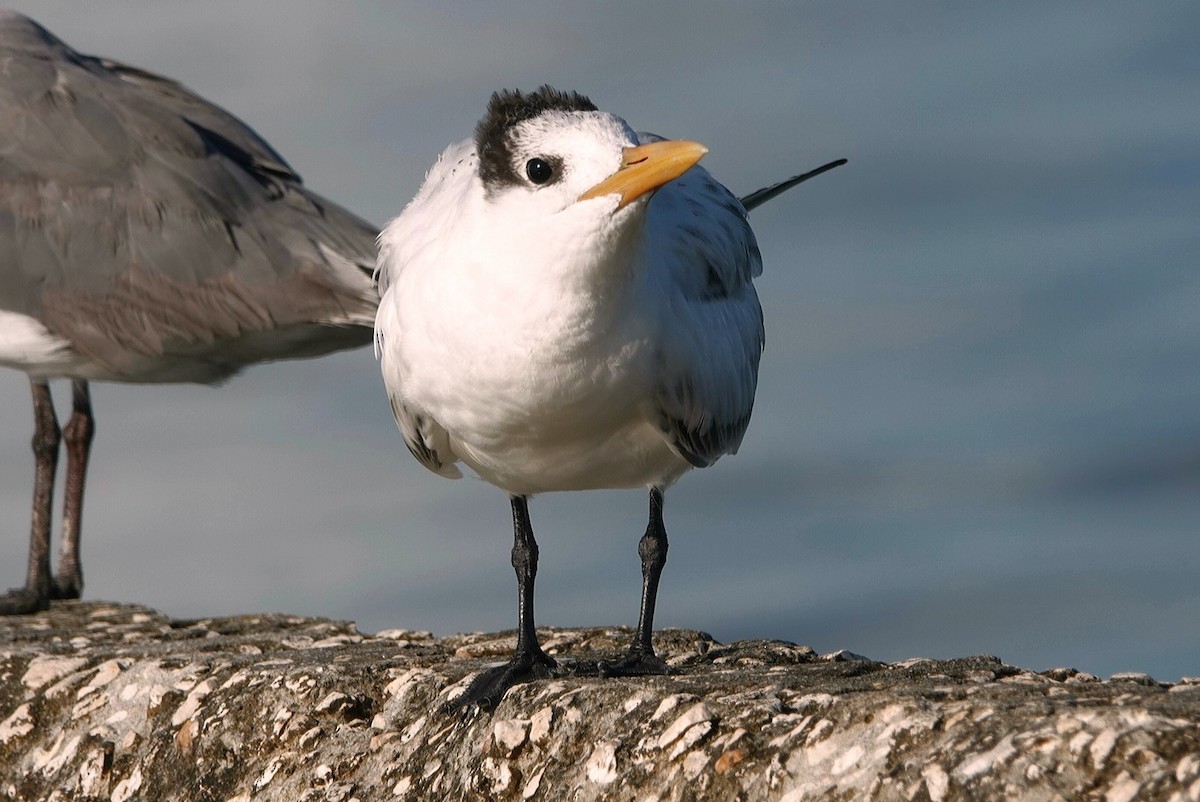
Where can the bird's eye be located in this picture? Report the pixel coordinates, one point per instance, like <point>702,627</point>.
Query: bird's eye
<point>539,170</point>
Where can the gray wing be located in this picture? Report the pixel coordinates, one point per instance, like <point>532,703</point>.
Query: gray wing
<point>139,220</point>
<point>425,438</point>
<point>712,336</point>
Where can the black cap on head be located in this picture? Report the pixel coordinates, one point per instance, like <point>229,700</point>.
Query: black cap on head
<point>506,109</point>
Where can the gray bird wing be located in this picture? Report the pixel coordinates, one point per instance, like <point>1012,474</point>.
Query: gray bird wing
<point>425,438</point>
<point>708,362</point>
<point>138,221</point>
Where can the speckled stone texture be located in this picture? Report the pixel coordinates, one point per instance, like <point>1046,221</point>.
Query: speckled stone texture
<point>121,703</point>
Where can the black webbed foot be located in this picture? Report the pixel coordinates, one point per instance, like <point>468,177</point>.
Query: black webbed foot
<point>635,663</point>
<point>489,687</point>
<point>23,601</point>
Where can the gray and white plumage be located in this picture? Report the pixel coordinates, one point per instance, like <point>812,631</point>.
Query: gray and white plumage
<point>147,235</point>
<point>552,344</point>
<point>568,305</point>
<point>153,236</point>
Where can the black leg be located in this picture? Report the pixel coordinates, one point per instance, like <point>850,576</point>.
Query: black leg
<point>652,548</point>
<point>529,661</point>
<point>46,436</point>
<point>78,434</point>
<point>524,562</point>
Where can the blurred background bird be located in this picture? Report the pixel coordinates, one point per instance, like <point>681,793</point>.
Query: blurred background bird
<point>977,425</point>
<point>147,236</point>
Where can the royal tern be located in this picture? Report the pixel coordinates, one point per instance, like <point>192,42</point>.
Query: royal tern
<point>567,304</point>
<point>147,235</point>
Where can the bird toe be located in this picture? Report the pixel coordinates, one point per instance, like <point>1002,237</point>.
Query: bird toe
<point>635,663</point>
<point>23,601</point>
<point>489,686</point>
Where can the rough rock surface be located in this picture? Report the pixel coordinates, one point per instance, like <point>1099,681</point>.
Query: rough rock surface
<point>118,702</point>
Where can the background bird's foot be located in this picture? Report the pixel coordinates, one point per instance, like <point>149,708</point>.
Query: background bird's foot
<point>488,688</point>
<point>66,586</point>
<point>635,663</point>
<point>22,601</point>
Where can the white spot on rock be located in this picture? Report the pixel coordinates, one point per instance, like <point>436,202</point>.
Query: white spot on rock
<point>844,656</point>
<point>1123,789</point>
<point>819,731</point>
<point>93,773</point>
<point>795,732</point>
<point>48,761</point>
<point>796,795</point>
<point>18,724</point>
<point>499,773</point>
<point>128,787</point>
<point>539,725</point>
<point>668,704</point>
<point>192,703</point>
<point>694,715</point>
<point>848,759</point>
<point>691,737</point>
<point>535,782</point>
<point>44,670</point>
<point>89,705</point>
<point>937,782</point>
<point>298,683</point>
<point>1187,768</point>
<point>1079,742</point>
<point>510,734</point>
<point>818,700</point>
<point>155,698</point>
<point>236,678</point>
<point>268,774</point>
<point>633,702</point>
<point>404,683</point>
<point>58,761</point>
<point>694,764</point>
<point>1138,677</point>
<point>411,730</point>
<point>978,764</point>
<point>309,738</point>
<point>1102,747</point>
<point>280,721</point>
<point>332,703</point>
<point>106,672</point>
<point>602,763</point>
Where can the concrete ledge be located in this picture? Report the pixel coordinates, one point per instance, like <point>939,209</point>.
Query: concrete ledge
<point>119,702</point>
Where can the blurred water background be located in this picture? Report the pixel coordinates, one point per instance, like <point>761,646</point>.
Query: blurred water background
<point>978,420</point>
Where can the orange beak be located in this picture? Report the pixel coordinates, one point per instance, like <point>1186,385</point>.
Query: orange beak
<point>646,168</point>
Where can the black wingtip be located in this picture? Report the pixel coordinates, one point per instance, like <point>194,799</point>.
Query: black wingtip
<point>761,196</point>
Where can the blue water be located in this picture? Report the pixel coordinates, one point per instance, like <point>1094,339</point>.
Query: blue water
<point>978,421</point>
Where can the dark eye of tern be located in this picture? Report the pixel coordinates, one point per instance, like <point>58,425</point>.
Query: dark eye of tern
<point>539,170</point>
